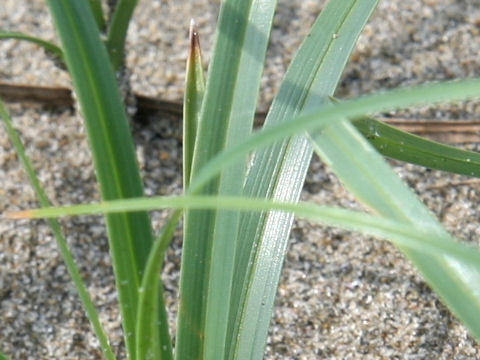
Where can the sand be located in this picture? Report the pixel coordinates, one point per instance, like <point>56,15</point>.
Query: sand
<point>342,296</point>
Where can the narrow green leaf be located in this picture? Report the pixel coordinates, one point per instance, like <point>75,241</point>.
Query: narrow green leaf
<point>226,118</point>
<point>3,356</point>
<point>47,45</point>
<point>117,32</point>
<point>379,102</point>
<point>424,241</point>
<point>130,235</point>
<point>403,146</point>
<point>57,232</point>
<point>153,338</point>
<point>318,118</point>
<point>194,90</point>
<point>97,11</point>
<point>279,170</point>
<point>366,174</point>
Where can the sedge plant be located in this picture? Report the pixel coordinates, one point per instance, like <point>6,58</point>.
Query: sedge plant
<point>241,188</point>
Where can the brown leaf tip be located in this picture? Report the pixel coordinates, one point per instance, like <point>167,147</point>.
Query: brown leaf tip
<point>15,215</point>
<point>194,38</point>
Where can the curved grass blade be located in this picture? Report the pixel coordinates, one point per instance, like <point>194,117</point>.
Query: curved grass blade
<point>47,45</point>
<point>279,171</point>
<point>117,32</point>
<point>130,235</point>
<point>321,118</point>
<point>421,240</point>
<point>400,145</point>
<point>57,232</point>
<point>153,338</point>
<point>194,90</point>
<point>226,118</point>
<point>316,119</point>
<point>366,174</point>
<point>352,108</point>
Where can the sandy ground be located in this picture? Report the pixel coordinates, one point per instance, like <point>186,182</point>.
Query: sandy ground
<point>341,296</point>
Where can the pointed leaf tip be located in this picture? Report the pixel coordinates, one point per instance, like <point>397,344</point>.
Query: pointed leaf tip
<point>194,38</point>
<point>16,215</point>
<point>194,89</point>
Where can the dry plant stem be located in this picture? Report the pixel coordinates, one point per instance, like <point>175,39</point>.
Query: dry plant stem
<point>469,182</point>
<point>447,131</point>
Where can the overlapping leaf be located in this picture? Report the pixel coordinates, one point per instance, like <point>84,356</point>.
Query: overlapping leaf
<point>130,235</point>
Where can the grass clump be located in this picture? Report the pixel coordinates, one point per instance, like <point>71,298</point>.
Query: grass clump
<point>241,188</point>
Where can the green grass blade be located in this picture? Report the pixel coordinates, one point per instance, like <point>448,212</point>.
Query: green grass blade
<point>352,108</point>
<point>194,90</point>
<point>60,239</point>
<point>117,32</point>
<point>279,171</point>
<point>400,145</point>
<point>153,338</point>
<point>226,118</point>
<point>130,235</point>
<point>397,144</point>
<point>3,356</point>
<point>429,243</point>
<point>47,45</point>
<point>321,116</point>
<point>366,174</point>
<point>97,11</point>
